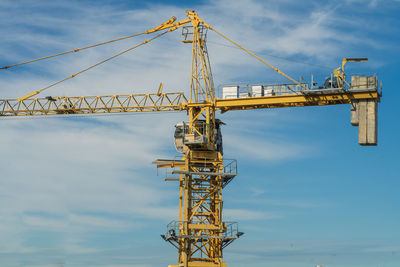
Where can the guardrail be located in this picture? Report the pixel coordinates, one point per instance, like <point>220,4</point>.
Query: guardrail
<point>311,82</point>
<point>173,230</point>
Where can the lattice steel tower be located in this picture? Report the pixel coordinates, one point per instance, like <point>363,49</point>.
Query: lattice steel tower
<point>200,234</point>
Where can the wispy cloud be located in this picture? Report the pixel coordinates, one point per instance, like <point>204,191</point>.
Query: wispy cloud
<point>74,176</point>
<point>328,252</point>
<point>271,150</point>
<point>242,215</point>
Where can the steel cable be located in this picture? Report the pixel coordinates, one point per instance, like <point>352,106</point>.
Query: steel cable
<point>99,63</point>
<point>95,45</point>
<point>72,51</point>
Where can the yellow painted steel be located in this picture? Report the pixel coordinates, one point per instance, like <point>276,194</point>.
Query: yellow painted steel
<point>29,95</point>
<point>168,102</point>
<point>201,233</point>
<point>93,104</point>
<point>339,73</point>
<point>200,202</point>
<point>290,100</point>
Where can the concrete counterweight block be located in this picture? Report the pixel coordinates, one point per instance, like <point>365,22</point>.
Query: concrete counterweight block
<point>354,113</point>
<point>367,122</point>
<point>372,123</point>
<point>364,111</point>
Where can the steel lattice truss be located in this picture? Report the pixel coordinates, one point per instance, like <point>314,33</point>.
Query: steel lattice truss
<point>93,104</point>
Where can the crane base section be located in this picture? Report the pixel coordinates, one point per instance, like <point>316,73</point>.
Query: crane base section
<point>201,264</point>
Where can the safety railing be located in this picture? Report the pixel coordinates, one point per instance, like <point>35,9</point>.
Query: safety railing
<point>230,166</point>
<point>176,229</point>
<point>306,83</point>
<point>357,80</point>
<point>197,135</point>
<point>187,33</point>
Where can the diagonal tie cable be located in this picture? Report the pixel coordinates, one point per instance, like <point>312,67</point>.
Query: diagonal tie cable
<point>257,57</point>
<point>158,28</point>
<point>93,66</point>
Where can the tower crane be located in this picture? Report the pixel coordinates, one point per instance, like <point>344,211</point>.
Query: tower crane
<point>199,233</point>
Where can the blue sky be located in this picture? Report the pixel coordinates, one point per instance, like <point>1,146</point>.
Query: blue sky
<point>82,191</point>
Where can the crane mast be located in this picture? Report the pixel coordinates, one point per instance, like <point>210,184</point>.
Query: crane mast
<point>200,227</point>
<point>199,233</point>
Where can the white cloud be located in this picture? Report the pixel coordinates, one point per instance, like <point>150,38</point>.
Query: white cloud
<point>96,221</point>
<point>271,150</point>
<point>368,3</point>
<point>329,252</point>
<point>242,215</point>
<point>72,169</point>
<point>44,223</point>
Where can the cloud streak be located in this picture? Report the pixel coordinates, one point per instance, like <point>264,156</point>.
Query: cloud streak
<point>78,176</point>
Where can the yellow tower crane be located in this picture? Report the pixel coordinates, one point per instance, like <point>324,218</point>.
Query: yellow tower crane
<point>199,234</point>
